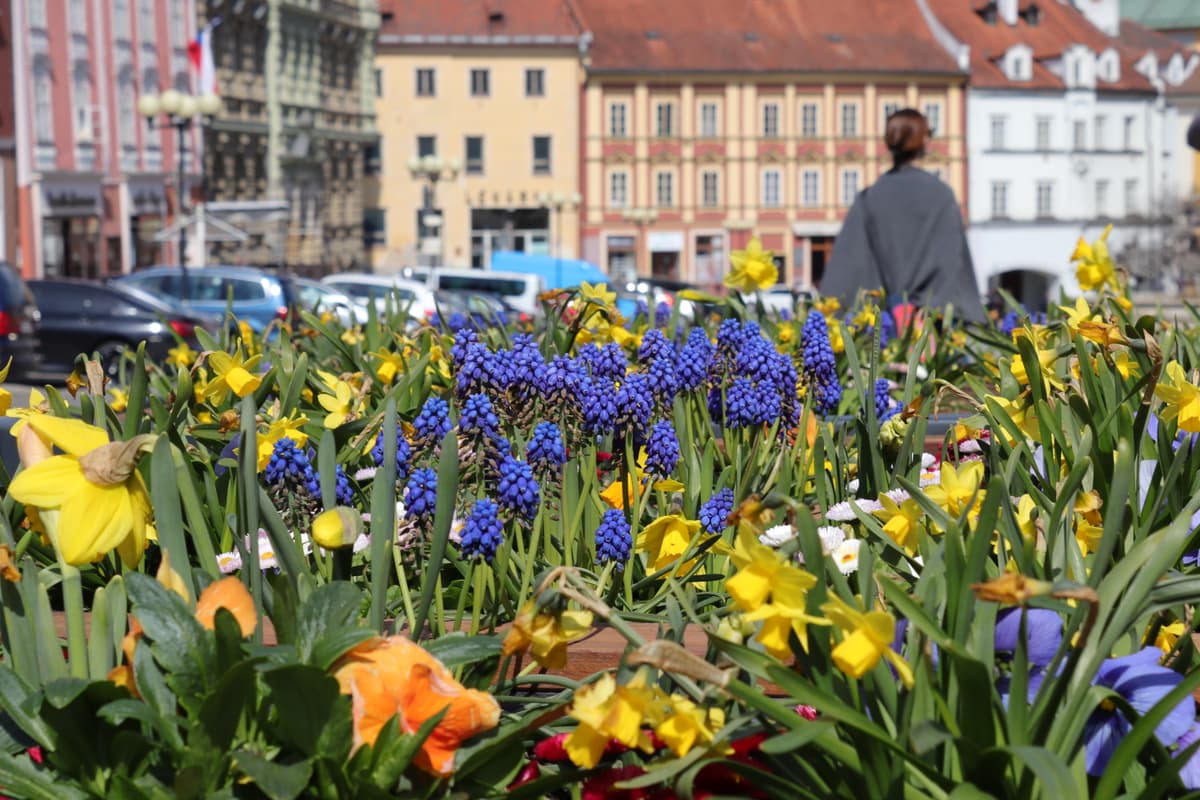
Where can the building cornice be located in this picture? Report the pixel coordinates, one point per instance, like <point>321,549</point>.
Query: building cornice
<point>788,76</point>
<point>499,40</point>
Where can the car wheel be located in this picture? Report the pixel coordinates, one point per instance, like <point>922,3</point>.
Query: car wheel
<point>118,366</point>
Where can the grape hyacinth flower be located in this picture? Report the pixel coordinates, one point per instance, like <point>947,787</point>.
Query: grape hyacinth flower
<point>342,492</point>
<point>598,403</point>
<point>560,379</point>
<point>420,495</point>
<point>663,380</point>
<point>518,490</point>
<point>433,423</point>
<point>716,510</point>
<point>477,419</point>
<point>482,533</point>
<point>662,451</point>
<point>655,346</point>
<point>613,540</point>
<point>606,363</point>
<point>403,453</point>
<point>289,466</point>
<point>741,404</point>
<point>474,372</point>
<point>635,405</point>
<point>885,409</point>
<point>462,340</point>
<point>1142,683</point>
<point>662,315</point>
<point>820,368</point>
<point>694,360</point>
<point>767,407</point>
<point>545,451</point>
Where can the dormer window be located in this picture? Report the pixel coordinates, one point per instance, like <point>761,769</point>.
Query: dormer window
<point>1018,63</point>
<point>1031,14</point>
<point>1108,66</point>
<point>987,12</point>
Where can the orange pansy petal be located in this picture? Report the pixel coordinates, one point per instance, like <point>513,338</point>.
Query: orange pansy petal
<point>230,594</point>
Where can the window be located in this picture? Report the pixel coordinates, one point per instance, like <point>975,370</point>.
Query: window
<point>708,121</point>
<point>616,120</point>
<point>145,21</point>
<point>770,120</point>
<point>999,199</point>
<point>1045,199</point>
<point>997,133</point>
<point>535,83</point>
<point>474,151</point>
<point>1043,134</point>
<point>426,146</point>
<point>664,116</point>
<point>541,155</point>
<point>810,188</point>
<point>886,111</point>
<point>710,188</point>
<point>1098,144</point>
<point>664,189</point>
<point>37,13</point>
<point>1128,134</point>
<point>849,186</point>
<point>43,98</point>
<point>480,82</point>
<point>618,189</point>
<point>120,15</point>
<point>378,83</point>
<point>849,119</point>
<point>426,85</point>
<point>1102,198</point>
<point>1131,196</point>
<point>933,115</point>
<point>77,16</point>
<point>372,158</point>
<point>772,193</point>
<point>808,120</point>
<point>82,91</point>
<point>1080,137</point>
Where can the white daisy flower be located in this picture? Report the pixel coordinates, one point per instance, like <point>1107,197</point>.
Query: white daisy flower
<point>928,461</point>
<point>831,538</point>
<point>365,474</point>
<point>361,543</point>
<point>230,562</point>
<point>846,556</point>
<point>852,486</point>
<point>778,535</point>
<point>930,477</point>
<point>898,496</point>
<point>844,511</point>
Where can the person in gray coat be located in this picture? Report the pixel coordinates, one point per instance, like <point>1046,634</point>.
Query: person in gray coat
<point>904,235</point>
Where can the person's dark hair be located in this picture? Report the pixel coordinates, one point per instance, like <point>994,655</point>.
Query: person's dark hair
<point>907,133</point>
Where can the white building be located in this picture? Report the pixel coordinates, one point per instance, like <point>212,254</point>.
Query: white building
<point>1068,129</point>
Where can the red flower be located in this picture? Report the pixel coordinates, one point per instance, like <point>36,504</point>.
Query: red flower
<point>530,772</point>
<point>600,787</point>
<point>808,712</point>
<point>35,753</point>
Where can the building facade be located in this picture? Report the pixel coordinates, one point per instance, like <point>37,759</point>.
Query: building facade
<point>8,149</point>
<point>478,114</point>
<point>284,161</point>
<point>1069,129</point>
<point>764,118</point>
<point>94,185</point>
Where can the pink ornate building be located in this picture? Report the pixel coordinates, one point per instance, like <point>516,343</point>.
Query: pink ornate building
<point>94,184</point>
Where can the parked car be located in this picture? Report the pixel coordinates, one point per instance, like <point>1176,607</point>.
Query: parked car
<point>520,290</point>
<point>18,324</point>
<point>319,297</point>
<point>259,297</point>
<point>82,317</point>
<point>471,310</point>
<point>780,298</point>
<point>415,298</point>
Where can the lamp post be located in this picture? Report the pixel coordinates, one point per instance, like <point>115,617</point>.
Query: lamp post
<point>557,203</point>
<point>179,111</point>
<point>433,169</point>
<point>640,217</point>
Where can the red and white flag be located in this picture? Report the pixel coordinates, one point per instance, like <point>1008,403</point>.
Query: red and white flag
<point>201,56</point>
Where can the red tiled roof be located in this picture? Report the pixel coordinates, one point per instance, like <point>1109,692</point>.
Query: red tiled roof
<point>1138,37</point>
<point>1060,25</point>
<point>761,36</point>
<point>521,19</point>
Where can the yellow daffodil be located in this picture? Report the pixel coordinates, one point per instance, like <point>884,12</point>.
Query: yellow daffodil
<point>118,399</point>
<point>868,638</point>
<point>1124,363</point>
<point>1088,504</point>
<point>5,394</point>
<point>546,634</point>
<point>390,365</point>
<point>753,268</point>
<point>666,539</point>
<point>837,341</point>
<point>1104,334</point>
<point>597,294</point>
<point>866,316</point>
<point>181,356</point>
<point>1011,587</point>
<point>1168,635</point>
<point>352,336</point>
<point>1181,398</point>
<point>829,306</point>
<point>247,336</point>
<point>685,725</point>
<point>337,527</point>
<point>1022,414</point>
<point>231,372</point>
<point>1088,533</point>
<point>958,491</point>
<point>1046,359</point>
<point>91,498</point>
<point>765,575</point>
<point>1078,313</point>
<point>339,405</point>
<point>38,404</point>
<point>1094,266</point>
<point>1027,513</point>
<point>606,711</point>
<point>901,521</point>
<point>287,427</point>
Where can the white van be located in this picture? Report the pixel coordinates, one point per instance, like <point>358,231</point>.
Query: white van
<point>518,289</point>
<point>366,288</point>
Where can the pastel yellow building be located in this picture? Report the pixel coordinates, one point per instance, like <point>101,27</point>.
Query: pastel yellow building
<point>478,117</point>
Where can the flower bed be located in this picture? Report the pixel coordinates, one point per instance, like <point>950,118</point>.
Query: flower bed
<point>238,544</point>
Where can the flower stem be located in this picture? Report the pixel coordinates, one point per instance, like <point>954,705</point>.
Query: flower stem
<point>72,589</point>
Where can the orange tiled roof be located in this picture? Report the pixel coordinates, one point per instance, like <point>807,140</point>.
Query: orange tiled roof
<point>1059,26</point>
<point>761,36</point>
<point>416,21</point>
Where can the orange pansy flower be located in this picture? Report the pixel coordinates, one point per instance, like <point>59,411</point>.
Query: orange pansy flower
<point>228,593</point>
<point>395,677</point>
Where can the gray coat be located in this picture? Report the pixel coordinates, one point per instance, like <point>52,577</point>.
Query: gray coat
<point>905,235</point>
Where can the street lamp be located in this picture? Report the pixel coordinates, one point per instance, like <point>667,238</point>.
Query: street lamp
<point>433,169</point>
<point>640,217</point>
<point>558,202</point>
<point>179,111</point>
